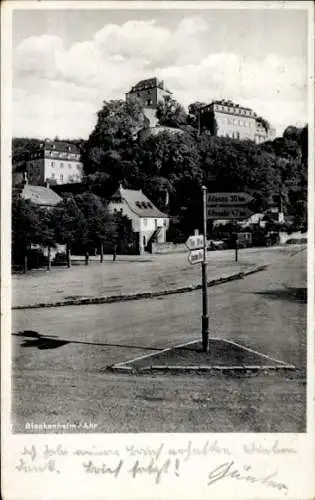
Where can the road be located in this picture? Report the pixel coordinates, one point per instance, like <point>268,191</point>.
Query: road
<point>62,378</point>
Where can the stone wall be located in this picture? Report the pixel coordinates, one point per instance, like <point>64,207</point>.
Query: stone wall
<point>168,248</point>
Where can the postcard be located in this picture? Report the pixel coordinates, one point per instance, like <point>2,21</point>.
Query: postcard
<point>157,250</point>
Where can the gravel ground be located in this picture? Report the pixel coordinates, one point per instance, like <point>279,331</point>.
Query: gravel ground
<point>64,379</point>
<point>133,274</point>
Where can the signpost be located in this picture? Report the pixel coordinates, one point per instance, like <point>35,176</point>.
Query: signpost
<point>205,317</point>
<point>197,245</point>
<point>195,256</point>
<point>229,212</point>
<point>229,206</point>
<point>194,242</point>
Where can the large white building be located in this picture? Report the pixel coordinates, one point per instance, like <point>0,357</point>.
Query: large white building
<point>148,221</point>
<point>227,119</point>
<point>55,162</point>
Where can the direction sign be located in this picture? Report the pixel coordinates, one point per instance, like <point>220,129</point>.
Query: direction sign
<point>195,256</point>
<point>194,242</point>
<point>236,212</point>
<point>234,199</point>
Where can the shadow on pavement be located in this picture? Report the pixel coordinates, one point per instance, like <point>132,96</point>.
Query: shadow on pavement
<point>291,294</point>
<point>35,339</point>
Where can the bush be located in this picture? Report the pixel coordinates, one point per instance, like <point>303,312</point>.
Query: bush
<point>36,259</point>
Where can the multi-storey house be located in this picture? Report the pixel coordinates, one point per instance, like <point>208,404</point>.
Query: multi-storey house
<point>227,119</point>
<point>147,220</point>
<point>56,162</point>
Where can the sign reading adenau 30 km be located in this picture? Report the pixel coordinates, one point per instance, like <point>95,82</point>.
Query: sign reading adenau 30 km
<point>234,199</point>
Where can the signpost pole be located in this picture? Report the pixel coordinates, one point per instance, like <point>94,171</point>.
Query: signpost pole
<point>236,248</point>
<point>205,317</point>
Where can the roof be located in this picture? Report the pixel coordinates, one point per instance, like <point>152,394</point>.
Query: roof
<point>147,83</point>
<point>40,195</point>
<point>63,147</point>
<point>137,202</point>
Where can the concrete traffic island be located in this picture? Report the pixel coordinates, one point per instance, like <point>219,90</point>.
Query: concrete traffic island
<point>224,357</point>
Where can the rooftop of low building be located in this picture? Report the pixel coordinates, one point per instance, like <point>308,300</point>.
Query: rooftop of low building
<point>138,202</point>
<point>59,146</point>
<point>40,195</point>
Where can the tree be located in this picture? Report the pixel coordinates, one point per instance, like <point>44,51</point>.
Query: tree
<point>292,133</point>
<point>70,225</point>
<point>23,147</point>
<point>170,113</point>
<point>194,113</point>
<point>31,225</point>
<point>99,221</point>
<point>170,162</point>
<point>111,146</point>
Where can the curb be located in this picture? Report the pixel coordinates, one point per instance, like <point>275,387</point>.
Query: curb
<point>124,366</point>
<point>211,369</point>
<point>143,295</point>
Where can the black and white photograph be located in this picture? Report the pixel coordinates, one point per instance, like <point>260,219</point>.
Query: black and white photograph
<point>160,237</point>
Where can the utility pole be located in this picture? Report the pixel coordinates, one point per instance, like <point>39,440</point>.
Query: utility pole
<point>205,317</point>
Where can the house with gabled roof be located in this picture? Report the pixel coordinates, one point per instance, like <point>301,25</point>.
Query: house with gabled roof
<point>41,196</point>
<point>147,220</point>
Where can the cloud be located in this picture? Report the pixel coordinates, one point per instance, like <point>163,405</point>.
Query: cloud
<point>58,89</point>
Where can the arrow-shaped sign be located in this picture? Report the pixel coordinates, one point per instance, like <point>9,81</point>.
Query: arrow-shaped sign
<point>195,256</point>
<point>229,213</point>
<point>234,199</point>
<point>194,242</point>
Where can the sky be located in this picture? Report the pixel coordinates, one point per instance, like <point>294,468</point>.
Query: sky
<point>67,62</point>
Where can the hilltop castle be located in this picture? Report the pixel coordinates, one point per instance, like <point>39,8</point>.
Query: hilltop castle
<point>221,118</point>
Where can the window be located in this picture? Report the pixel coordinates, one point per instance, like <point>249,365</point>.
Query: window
<point>52,176</point>
<point>156,223</point>
<point>145,222</point>
<point>69,165</point>
<point>52,163</point>
<point>61,177</point>
<point>61,165</point>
